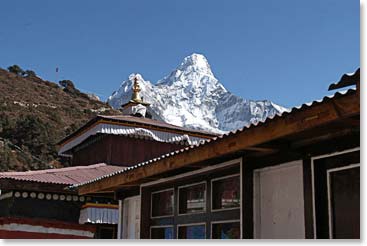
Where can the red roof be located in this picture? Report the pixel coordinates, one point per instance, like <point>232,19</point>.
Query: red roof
<point>67,176</point>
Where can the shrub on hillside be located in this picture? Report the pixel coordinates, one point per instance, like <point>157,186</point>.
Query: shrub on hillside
<point>69,87</point>
<point>32,133</point>
<point>29,73</point>
<point>16,70</point>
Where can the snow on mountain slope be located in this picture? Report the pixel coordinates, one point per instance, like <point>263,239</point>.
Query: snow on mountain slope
<point>192,97</point>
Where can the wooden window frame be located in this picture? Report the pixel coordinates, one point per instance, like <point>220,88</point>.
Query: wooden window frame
<point>316,158</point>
<point>194,177</point>
<point>151,204</point>
<point>160,226</point>
<point>211,193</point>
<point>224,222</point>
<point>333,170</point>
<point>186,186</point>
<point>190,224</point>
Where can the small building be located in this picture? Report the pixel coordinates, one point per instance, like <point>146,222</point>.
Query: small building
<point>36,204</point>
<point>127,139</point>
<point>296,175</point>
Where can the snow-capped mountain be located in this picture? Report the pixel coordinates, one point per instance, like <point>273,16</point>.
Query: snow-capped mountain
<point>192,97</point>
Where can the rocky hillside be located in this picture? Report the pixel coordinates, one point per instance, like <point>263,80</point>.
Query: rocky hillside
<point>35,114</point>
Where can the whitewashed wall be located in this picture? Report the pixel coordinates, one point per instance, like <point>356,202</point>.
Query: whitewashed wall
<point>279,201</point>
<point>131,218</point>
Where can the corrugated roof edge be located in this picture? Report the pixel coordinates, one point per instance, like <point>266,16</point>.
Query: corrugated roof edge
<point>110,117</point>
<point>19,175</point>
<point>291,111</point>
<point>347,79</point>
<point>51,170</point>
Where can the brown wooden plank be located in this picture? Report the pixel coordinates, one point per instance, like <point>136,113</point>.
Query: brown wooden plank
<point>262,149</point>
<point>308,204</point>
<point>308,118</point>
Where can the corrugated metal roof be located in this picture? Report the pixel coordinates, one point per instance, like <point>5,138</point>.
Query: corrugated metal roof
<point>142,120</point>
<point>280,115</point>
<point>66,176</point>
<point>346,80</point>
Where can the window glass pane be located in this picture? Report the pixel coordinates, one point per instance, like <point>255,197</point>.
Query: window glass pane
<point>192,199</point>
<point>191,232</point>
<point>226,193</point>
<point>162,203</point>
<point>226,230</point>
<point>105,233</point>
<point>162,233</point>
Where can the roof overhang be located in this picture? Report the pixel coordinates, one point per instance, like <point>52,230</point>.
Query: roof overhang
<point>346,80</point>
<point>115,128</point>
<point>104,125</point>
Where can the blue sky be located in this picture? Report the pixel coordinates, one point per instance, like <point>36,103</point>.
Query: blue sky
<point>284,50</point>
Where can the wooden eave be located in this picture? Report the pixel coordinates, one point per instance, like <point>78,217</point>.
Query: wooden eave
<point>10,184</point>
<point>307,118</point>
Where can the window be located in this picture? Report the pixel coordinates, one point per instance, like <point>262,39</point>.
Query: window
<point>106,232</point>
<point>162,203</point>
<point>188,205</point>
<point>226,192</point>
<point>161,232</point>
<point>192,198</point>
<point>226,230</point>
<point>191,232</point>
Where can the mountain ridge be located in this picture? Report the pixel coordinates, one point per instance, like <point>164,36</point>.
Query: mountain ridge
<point>191,96</point>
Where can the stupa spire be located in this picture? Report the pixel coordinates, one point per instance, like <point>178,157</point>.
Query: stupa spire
<point>136,106</point>
<point>136,91</point>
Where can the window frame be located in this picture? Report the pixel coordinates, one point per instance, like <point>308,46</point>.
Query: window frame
<point>191,224</point>
<point>328,185</point>
<point>210,175</point>
<point>189,185</point>
<point>151,204</point>
<point>314,160</point>
<point>224,222</point>
<point>161,226</point>
<point>211,193</point>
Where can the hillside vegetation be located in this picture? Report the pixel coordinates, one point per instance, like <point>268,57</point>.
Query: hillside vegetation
<point>35,114</point>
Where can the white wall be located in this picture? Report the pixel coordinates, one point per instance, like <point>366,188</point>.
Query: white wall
<point>278,201</point>
<point>131,218</point>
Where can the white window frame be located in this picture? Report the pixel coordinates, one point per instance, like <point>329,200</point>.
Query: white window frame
<point>151,204</point>
<point>191,224</point>
<point>211,192</point>
<point>186,186</point>
<point>224,222</point>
